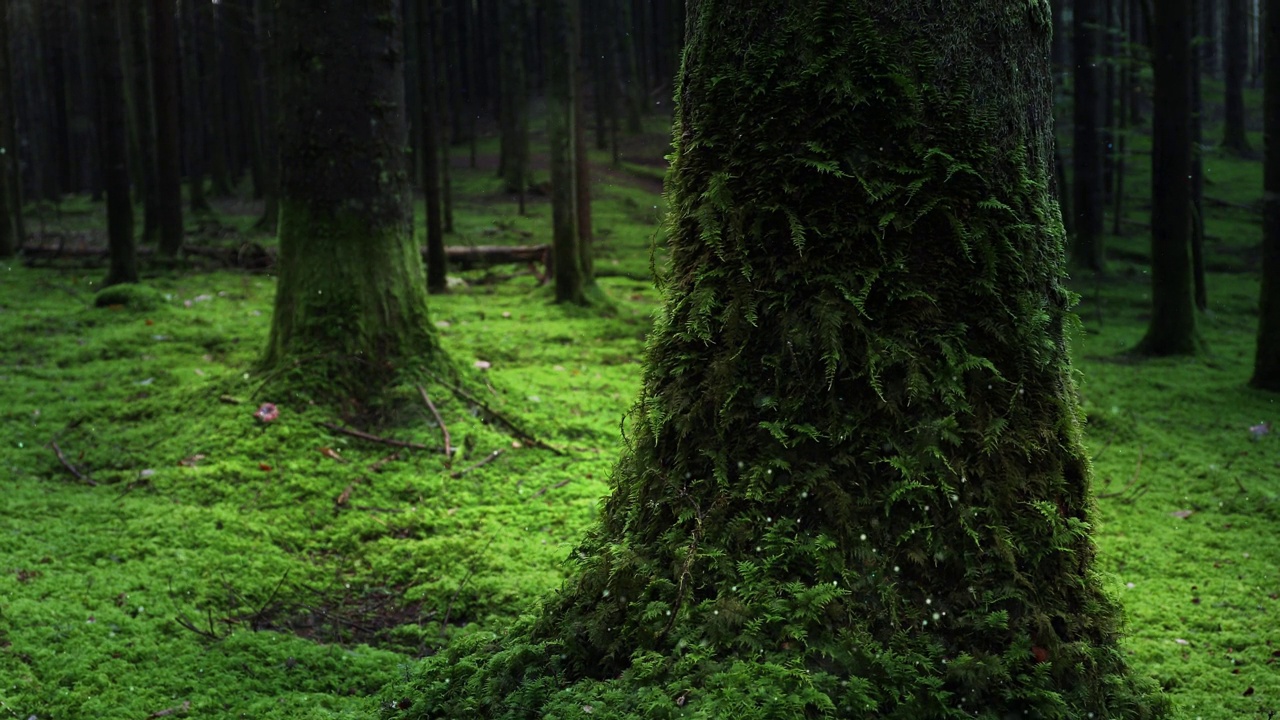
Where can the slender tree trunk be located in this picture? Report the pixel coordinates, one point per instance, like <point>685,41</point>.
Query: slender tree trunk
<point>193,71</point>
<point>1172,330</point>
<point>351,296</point>
<point>444,109</point>
<point>851,402</point>
<point>144,121</point>
<point>11,237</point>
<point>633,87</point>
<point>266,64</point>
<point>1210,49</point>
<point>1200,290</point>
<point>561,100</point>
<point>1266,362</point>
<point>164,68</point>
<point>112,130</point>
<point>1236,45</point>
<point>220,182</point>
<point>1124,99</point>
<point>436,262</point>
<point>581,159</point>
<point>1089,250</point>
<point>513,163</point>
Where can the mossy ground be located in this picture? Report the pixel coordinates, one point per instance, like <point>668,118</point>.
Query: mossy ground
<point>323,579</point>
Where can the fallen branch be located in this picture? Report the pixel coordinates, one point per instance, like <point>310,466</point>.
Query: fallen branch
<point>377,466</point>
<point>184,622</point>
<point>373,438</point>
<point>184,707</point>
<point>545,488</point>
<point>1132,481</point>
<point>488,459</point>
<point>515,429</point>
<point>67,464</point>
<point>448,450</point>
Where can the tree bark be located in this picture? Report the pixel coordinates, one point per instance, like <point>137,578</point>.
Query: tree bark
<point>143,121</point>
<point>112,130</point>
<point>1236,47</point>
<point>1088,182</point>
<point>164,68</point>
<point>1266,362</point>
<point>581,160</point>
<point>513,100</point>
<point>11,236</point>
<point>570,284</point>
<point>351,293</point>
<point>1172,330</point>
<point>855,483</point>
<point>430,144</point>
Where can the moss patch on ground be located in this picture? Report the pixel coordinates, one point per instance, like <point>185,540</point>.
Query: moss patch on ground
<point>226,567</point>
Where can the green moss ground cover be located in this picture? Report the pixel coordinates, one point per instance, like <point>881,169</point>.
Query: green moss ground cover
<point>226,567</point>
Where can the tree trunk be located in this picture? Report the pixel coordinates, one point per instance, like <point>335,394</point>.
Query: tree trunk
<point>220,182</point>
<point>1199,288</point>
<point>513,159</point>
<point>351,296</point>
<point>1266,362</point>
<point>633,88</point>
<point>164,68</point>
<point>1088,250</point>
<point>445,132</point>
<point>581,160</point>
<point>112,130</point>
<point>855,484</point>
<point>266,110</point>
<point>1236,47</point>
<point>193,72</point>
<point>430,144</point>
<point>561,93</point>
<point>143,121</point>
<point>10,205</point>
<point>1172,330</point>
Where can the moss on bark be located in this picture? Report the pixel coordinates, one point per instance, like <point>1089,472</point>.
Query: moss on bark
<point>854,483</point>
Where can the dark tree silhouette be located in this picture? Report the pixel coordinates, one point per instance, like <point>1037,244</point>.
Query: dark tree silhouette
<point>164,74</point>
<point>10,189</point>
<point>1172,330</point>
<point>112,131</point>
<point>351,295</point>
<point>855,484</point>
<point>429,129</point>
<point>570,280</point>
<point>1236,61</point>
<point>1266,363</point>
<point>1088,182</point>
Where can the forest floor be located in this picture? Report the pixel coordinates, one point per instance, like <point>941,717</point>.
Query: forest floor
<point>165,553</point>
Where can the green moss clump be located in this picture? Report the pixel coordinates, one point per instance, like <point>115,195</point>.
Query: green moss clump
<point>142,298</point>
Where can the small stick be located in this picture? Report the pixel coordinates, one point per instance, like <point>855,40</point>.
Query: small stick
<point>253,623</point>
<point>487,459</point>
<point>448,450</point>
<point>377,466</point>
<point>67,464</point>
<point>545,488</point>
<point>498,416</point>
<point>1132,481</point>
<point>373,438</point>
<point>184,622</point>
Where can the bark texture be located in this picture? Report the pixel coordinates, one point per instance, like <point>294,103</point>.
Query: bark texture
<point>1088,181</point>
<point>1266,363</point>
<point>854,483</point>
<point>1172,330</point>
<point>351,297</point>
<point>10,207</point>
<point>1236,48</point>
<point>164,69</point>
<point>113,143</point>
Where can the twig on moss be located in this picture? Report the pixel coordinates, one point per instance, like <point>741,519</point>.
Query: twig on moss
<point>67,464</point>
<point>515,429</point>
<point>545,488</point>
<point>471,570</point>
<point>373,438</point>
<point>484,461</point>
<point>1132,481</point>
<point>253,622</point>
<point>210,633</point>
<point>377,466</point>
<point>444,430</point>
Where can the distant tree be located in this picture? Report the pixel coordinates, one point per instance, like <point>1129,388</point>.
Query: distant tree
<point>10,183</point>
<point>581,159</point>
<point>137,63</point>
<point>164,69</point>
<point>1236,61</point>
<point>513,107</point>
<point>112,133</point>
<point>429,128</point>
<point>1172,330</point>
<point>634,90</point>
<point>1266,362</point>
<point>1088,182</point>
<point>855,484</point>
<point>570,278</point>
<point>195,115</point>
<point>351,298</point>
<point>1200,289</point>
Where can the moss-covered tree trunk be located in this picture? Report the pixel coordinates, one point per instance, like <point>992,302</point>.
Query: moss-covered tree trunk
<point>1172,329</point>
<point>1236,49</point>
<point>1266,363</point>
<point>855,484</point>
<point>351,299</point>
<point>112,142</point>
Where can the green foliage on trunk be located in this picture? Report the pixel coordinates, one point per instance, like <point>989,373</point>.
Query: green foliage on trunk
<point>854,483</point>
